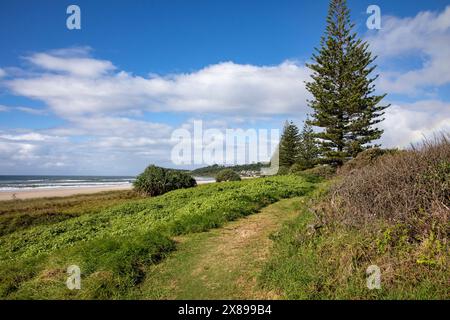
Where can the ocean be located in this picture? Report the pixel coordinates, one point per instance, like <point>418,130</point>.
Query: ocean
<point>19,183</point>
<point>22,183</point>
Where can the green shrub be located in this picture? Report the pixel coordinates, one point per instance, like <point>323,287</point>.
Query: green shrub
<point>297,168</point>
<point>365,158</point>
<point>282,171</point>
<point>323,171</point>
<point>227,175</point>
<point>155,181</point>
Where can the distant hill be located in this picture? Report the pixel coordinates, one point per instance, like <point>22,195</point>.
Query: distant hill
<point>245,169</point>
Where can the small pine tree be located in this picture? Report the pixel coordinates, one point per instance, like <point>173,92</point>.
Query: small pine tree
<point>289,145</point>
<point>344,104</point>
<point>308,148</point>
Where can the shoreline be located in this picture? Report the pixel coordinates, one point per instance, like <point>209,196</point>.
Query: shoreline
<point>65,192</point>
<point>58,192</point>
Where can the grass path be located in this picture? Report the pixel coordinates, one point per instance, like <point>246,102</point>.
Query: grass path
<point>223,263</point>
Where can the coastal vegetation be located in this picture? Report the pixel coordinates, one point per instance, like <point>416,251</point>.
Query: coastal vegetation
<point>155,181</point>
<point>391,211</point>
<point>113,247</point>
<point>227,175</point>
<point>22,214</point>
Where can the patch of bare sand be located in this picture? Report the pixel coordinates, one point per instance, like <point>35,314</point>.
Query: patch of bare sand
<point>57,192</point>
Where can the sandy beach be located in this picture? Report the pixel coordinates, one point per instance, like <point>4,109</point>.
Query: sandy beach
<point>57,192</point>
<point>64,192</point>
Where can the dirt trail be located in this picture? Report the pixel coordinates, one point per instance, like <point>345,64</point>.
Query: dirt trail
<point>223,263</point>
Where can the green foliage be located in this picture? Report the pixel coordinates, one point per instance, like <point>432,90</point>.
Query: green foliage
<point>121,259</point>
<point>366,158</point>
<point>155,181</point>
<point>113,246</point>
<point>289,145</point>
<point>344,104</point>
<point>323,171</point>
<point>282,171</point>
<point>308,149</point>
<point>22,214</point>
<point>227,175</point>
<point>317,173</point>
<point>299,149</point>
<point>296,168</point>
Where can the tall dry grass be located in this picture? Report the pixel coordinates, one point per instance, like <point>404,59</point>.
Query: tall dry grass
<point>411,188</point>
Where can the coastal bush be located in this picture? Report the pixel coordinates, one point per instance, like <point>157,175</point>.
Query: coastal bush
<point>155,181</point>
<point>282,171</point>
<point>227,175</point>
<point>410,187</point>
<point>296,168</point>
<point>322,171</point>
<point>313,260</point>
<point>365,158</point>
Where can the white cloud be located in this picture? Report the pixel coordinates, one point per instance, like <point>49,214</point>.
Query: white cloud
<point>12,152</point>
<point>410,123</point>
<point>96,145</point>
<point>221,88</point>
<point>32,110</point>
<point>2,73</point>
<point>23,109</point>
<point>72,62</point>
<point>425,36</point>
<point>27,137</point>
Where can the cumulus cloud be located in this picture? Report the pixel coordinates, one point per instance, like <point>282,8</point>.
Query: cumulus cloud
<point>411,122</point>
<point>80,86</point>
<point>27,148</point>
<point>425,36</point>
<point>86,146</point>
<point>72,61</point>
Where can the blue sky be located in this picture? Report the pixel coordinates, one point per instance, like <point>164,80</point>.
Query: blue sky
<point>105,99</point>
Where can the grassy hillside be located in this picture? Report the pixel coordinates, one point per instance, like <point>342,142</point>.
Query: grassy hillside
<point>114,246</point>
